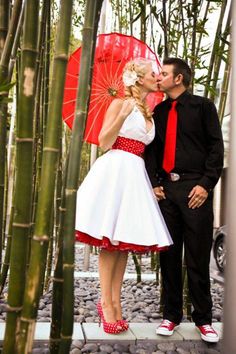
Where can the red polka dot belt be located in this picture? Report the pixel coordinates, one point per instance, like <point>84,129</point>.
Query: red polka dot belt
<point>130,145</point>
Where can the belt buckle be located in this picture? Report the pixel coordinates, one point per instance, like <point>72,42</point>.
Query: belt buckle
<point>174,176</point>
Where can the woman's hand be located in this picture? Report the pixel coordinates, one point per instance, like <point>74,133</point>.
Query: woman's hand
<point>159,193</point>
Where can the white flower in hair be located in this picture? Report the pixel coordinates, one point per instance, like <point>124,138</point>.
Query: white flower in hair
<point>129,77</point>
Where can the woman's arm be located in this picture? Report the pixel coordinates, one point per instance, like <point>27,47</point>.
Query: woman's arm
<point>115,116</point>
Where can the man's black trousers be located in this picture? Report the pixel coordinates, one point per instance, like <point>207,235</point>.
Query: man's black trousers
<point>192,228</point>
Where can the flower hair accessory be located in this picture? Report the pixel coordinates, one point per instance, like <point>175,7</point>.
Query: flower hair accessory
<point>129,77</point>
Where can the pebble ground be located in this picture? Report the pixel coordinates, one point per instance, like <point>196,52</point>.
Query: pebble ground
<point>140,302</point>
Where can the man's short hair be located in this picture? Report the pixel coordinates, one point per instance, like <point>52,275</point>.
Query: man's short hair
<point>180,67</point>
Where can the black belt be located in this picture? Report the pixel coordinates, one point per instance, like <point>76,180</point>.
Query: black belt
<point>174,177</point>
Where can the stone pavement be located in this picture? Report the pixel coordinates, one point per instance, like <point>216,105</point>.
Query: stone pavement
<point>140,339</point>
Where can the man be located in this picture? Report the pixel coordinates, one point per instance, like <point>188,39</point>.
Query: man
<point>184,163</point>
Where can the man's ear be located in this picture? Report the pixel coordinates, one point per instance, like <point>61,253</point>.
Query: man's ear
<point>179,79</point>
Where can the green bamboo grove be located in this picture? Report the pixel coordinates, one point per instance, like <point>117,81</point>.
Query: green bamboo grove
<point>41,160</point>
<point>40,240</point>
<point>24,167</point>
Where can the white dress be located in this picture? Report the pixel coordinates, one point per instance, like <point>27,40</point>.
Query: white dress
<point>116,206</point>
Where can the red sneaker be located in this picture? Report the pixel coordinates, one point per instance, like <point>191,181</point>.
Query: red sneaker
<point>208,334</point>
<point>166,328</point>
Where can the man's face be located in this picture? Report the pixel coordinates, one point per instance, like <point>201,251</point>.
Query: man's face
<point>165,80</point>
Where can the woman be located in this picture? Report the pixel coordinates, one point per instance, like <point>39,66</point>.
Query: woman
<point>116,208</point>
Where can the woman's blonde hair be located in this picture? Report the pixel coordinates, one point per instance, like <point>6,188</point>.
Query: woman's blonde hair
<point>140,67</point>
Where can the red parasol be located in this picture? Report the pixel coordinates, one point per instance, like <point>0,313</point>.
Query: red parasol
<point>112,52</point>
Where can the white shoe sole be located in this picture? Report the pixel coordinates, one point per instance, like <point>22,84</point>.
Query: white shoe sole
<point>162,332</point>
<point>208,339</point>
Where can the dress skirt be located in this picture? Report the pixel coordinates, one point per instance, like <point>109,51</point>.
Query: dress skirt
<point>116,206</point>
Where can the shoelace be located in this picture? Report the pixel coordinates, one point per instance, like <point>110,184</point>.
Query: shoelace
<point>208,328</point>
<point>166,323</point>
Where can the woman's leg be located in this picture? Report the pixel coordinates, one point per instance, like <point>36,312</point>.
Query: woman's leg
<point>107,265</point>
<point>117,283</point>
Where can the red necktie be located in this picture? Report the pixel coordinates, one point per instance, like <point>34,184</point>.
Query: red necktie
<point>170,141</point>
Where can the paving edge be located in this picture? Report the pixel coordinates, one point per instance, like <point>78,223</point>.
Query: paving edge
<point>138,332</point>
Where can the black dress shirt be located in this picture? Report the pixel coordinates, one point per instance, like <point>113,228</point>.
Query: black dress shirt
<point>199,143</point>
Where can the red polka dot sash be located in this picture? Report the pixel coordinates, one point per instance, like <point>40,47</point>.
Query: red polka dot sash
<point>130,145</point>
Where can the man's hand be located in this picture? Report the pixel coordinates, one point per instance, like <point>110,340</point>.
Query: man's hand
<point>197,196</point>
<point>159,193</point>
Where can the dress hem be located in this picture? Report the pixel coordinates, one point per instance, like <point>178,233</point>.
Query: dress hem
<point>106,244</point>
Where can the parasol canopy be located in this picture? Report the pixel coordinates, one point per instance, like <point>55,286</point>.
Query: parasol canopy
<point>112,52</point>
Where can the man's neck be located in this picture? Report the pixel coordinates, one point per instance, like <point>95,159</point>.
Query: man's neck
<point>176,92</point>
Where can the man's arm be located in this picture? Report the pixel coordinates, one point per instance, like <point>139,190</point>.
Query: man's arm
<point>150,158</point>
<point>151,167</point>
<point>215,147</point>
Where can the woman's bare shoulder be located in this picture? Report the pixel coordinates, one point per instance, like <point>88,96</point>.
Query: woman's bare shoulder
<point>116,103</point>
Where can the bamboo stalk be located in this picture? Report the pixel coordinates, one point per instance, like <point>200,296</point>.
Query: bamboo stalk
<point>131,17</point>
<point>49,255</point>
<point>3,131</point>
<point>46,70</point>
<point>220,54</point>
<point>57,290</point>
<point>16,43</point>
<point>11,134</point>
<point>5,77</point>
<point>48,176</point>
<point>165,29</point>
<point>224,89</point>
<point>4,15</point>
<point>38,119</point>
<point>5,265</point>
<point>4,19</point>
<point>195,13</point>
<point>137,268</point>
<point>24,163</point>
<point>92,15</point>
<point>183,30</point>
<point>201,33</point>
<point>6,53</point>
<point>143,28</point>
<point>215,47</point>
<point>118,9</point>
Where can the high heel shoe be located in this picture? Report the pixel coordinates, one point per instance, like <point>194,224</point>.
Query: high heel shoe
<point>111,328</point>
<point>124,325</point>
<point>100,311</point>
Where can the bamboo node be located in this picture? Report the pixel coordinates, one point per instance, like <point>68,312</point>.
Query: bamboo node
<point>55,340</point>
<point>41,238</point>
<point>23,226</point>
<point>67,265</point>
<point>59,280</point>
<point>50,149</point>
<point>61,57</point>
<point>66,337</point>
<point>27,49</point>
<point>13,308</point>
<point>24,140</point>
<point>70,191</point>
<point>28,320</point>
<point>62,209</point>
